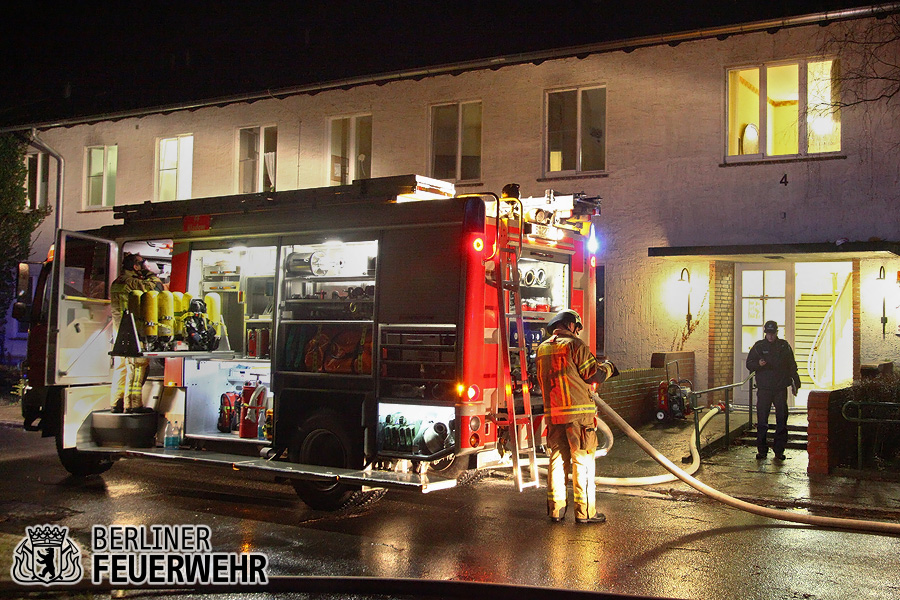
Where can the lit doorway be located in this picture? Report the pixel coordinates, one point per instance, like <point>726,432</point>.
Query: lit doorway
<point>823,326</point>
<point>761,294</point>
<point>813,306</point>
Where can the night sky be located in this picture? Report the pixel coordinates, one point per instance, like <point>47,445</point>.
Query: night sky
<point>65,60</point>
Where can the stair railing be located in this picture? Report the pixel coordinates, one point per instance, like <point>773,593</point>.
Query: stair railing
<point>726,407</point>
<point>827,337</point>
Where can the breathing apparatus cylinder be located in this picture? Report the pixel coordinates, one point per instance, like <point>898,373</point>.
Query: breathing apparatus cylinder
<point>134,307</point>
<point>166,315</point>
<point>178,307</point>
<point>214,310</point>
<point>150,313</point>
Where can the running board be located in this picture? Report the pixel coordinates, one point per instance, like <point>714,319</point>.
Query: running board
<point>389,479</point>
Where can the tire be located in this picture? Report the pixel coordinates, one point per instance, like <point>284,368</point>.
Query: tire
<point>660,416</point>
<point>324,440</point>
<point>82,464</point>
<point>456,468</point>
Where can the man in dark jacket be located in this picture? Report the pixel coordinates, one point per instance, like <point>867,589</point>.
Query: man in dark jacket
<point>772,359</point>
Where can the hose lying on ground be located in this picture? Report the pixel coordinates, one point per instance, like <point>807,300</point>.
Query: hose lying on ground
<point>783,515</point>
<point>650,479</point>
<point>656,479</point>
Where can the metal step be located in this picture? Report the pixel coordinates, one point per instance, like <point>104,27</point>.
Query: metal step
<point>390,479</point>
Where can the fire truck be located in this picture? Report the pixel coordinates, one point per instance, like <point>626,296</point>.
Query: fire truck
<point>361,337</point>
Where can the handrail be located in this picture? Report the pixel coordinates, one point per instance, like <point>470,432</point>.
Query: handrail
<point>725,406</point>
<point>859,420</point>
<point>724,387</point>
<point>829,317</point>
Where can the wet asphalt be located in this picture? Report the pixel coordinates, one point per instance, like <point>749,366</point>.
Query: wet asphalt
<point>661,541</point>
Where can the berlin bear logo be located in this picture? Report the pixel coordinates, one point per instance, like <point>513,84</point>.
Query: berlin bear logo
<point>46,556</point>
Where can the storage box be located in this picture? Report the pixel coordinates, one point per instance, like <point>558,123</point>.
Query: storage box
<point>123,430</point>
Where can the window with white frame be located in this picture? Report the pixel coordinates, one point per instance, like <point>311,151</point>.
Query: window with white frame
<point>784,109</point>
<point>175,168</point>
<point>576,131</point>
<point>456,141</point>
<point>37,180</point>
<point>351,149</point>
<point>100,176</point>
<point>256,159</point>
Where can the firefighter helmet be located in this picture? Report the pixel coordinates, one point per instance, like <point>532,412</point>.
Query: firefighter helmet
<point>770,327</point>
<point>564,317</point>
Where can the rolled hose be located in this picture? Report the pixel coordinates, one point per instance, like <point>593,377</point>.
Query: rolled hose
<point>782,515</point>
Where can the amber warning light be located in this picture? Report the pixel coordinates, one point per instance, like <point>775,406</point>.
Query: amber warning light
<point>478,244</point>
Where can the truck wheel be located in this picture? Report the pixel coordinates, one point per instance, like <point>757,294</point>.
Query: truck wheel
<point>660,416</point>
<point>323,440</point>
<point>82,464</point>
<point>457,468</point>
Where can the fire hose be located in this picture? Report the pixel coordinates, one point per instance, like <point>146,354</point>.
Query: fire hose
<point>772,513</point>
<point>651,479</point>
<point>607,445</point>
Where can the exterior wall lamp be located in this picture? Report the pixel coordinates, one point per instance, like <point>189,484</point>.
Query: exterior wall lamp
<point>882,279</point>
<point>685,280</point>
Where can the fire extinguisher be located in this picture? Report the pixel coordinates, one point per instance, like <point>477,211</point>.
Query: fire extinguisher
<point>264,343</point>
<point>251,342</point>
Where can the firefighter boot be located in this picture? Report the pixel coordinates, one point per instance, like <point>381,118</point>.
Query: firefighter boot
<point>595,520</point>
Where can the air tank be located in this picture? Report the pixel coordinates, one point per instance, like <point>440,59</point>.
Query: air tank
<point>150,313</point>
<point>214,310</point>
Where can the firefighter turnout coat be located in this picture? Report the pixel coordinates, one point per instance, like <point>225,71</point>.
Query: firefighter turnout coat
<point>564,367</point>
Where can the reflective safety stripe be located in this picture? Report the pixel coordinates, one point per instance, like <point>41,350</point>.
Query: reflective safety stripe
<point>564,364</point>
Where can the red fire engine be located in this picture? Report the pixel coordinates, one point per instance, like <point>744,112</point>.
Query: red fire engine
<point>354,338</point>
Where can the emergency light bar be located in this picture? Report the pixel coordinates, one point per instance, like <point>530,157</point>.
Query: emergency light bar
<point>426,188</point>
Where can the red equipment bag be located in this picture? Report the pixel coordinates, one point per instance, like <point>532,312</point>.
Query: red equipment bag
<point>227,417</point>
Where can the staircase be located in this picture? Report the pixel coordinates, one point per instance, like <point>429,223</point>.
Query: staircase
<point>797,435</point>
<point>808,316</point>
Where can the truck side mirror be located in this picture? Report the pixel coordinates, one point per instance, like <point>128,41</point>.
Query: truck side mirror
<point>22,307</point>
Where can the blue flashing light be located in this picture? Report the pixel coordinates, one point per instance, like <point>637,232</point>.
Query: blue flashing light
<point>593,243</point>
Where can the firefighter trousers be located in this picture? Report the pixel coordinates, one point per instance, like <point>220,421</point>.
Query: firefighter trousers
<point>572,447</point>
<point>129,374</point>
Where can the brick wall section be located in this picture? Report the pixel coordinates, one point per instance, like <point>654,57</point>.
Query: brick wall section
<point>633,394</point>
<point>820,459</point>
<point>720,370</point>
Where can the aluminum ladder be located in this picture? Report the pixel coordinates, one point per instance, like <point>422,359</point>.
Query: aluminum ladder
<point>520,424</point>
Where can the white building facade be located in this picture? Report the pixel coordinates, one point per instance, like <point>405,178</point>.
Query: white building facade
<point>755,216</point>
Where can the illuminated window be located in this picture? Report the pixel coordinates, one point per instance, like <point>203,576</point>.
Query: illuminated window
<point>38,180</point>
<point>256,159</point>
<point>785,109</point>
<point>100,176</point>
<point>456,141</point>
<point>351,149</point>
<point>576,131</point>
<point>175,167</point>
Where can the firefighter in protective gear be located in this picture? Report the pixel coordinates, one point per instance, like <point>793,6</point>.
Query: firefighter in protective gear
<point>130,372</point>
<point>565,370</point>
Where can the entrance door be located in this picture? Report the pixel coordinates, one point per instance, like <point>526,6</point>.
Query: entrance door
<point>762,293</point>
